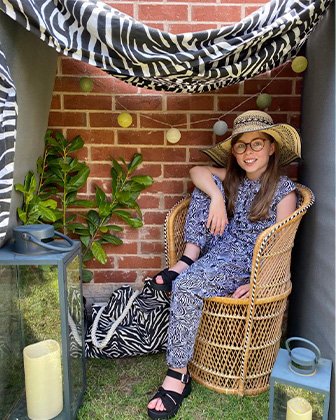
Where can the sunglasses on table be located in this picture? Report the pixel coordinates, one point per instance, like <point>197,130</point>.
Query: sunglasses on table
<point>256,145</point>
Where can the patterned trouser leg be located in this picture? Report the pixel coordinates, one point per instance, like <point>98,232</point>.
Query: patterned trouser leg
<point>190,287</point>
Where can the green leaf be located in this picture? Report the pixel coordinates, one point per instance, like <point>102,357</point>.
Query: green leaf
<point>22,216</point>
<point>75,144</point>
<point>85,240</point>
<point>93,221</point>
<point>87,256</point>
<point>79,180</point>
<point>135,222</point>
<point>47,214</point>
<point>20,188</point>
<point>131,221</point>
<point>98,252</point>
<point>111,239</point>
<point>104,210</point>
<point>93,217</point>
<point>117,167</point>
<point>87,275</point>
<point>137,159</point>
<point>100,196</point>
<point>52,204</point>
<point>115,228</point>
<point>39,165</point>
<point>145,181</point>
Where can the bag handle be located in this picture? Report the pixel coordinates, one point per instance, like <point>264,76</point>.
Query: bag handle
<point>103,343</point>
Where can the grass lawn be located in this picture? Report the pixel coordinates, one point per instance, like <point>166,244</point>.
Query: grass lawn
<point>120,389</point>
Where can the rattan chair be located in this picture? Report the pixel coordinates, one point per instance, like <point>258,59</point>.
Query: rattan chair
<point>238,339</point>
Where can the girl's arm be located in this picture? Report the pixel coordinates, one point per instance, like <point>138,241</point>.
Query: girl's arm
<point>202,177</point>
<point>286,206</point>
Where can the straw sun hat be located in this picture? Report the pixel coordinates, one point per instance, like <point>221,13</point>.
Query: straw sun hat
<point>285,135</point>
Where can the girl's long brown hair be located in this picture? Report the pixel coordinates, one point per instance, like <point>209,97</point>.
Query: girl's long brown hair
<point>269,179</point>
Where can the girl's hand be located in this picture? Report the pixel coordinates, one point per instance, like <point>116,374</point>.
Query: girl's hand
<point>242,292</point>
<point>217,219</point>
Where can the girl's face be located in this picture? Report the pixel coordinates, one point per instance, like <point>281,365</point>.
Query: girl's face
<point>253,162</point>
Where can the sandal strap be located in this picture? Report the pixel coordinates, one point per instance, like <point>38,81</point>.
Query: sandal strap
<point>167,275</point>
<point>187,260</point>
<point>170,399</point>
<point>183,377</point>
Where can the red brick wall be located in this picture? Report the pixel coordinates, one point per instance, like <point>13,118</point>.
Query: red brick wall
<point>94,116</point>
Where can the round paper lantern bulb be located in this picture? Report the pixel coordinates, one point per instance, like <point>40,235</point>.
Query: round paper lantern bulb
<point>264,100</point>
<point>125,119</point>
<point>173,135</point>
<point>86,84</point>
<point>299,64</point>
<point>220,128</point>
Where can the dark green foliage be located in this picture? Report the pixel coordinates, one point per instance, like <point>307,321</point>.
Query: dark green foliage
<point>61,176</point>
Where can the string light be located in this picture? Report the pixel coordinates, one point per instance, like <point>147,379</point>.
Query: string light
<point>299,64</point>
<point>220,127</point>
<point>125,119</point>
<point>86,84</point>
<point>264,100</point>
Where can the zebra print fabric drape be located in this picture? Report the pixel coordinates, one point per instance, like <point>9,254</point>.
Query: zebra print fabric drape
<point>98,34</point>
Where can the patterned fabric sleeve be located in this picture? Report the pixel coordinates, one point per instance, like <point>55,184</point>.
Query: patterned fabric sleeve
<point>285,186</point>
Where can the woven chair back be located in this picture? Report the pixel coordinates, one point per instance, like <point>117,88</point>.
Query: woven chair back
<point>238,339</point>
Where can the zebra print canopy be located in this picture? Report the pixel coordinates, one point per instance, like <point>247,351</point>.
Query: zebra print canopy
<point>98,34</point>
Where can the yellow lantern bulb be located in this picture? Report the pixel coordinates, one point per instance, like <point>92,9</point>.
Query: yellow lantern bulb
<point>173,135</point>
<point>125,119</point>
<point>299,64</point>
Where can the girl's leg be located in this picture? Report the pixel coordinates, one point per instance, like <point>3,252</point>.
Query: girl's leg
<point>197,237</point>
<point>188,290</point>
<point>191,251</point>
<point>202,280</point>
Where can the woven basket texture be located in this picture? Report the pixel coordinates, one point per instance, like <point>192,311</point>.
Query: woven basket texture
<point>238,339</point>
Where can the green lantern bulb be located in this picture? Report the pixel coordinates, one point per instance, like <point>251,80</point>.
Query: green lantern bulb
<point>86,84</point>
<point>264,100</point>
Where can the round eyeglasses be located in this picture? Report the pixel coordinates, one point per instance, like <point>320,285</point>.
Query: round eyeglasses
<point>256,145</point>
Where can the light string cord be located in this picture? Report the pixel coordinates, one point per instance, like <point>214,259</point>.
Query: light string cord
<point>214,118</point>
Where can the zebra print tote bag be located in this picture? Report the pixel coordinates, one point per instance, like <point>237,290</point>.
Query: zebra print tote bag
<point>132,323</point>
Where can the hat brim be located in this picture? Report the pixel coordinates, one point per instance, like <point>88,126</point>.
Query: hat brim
<point>285,135</point>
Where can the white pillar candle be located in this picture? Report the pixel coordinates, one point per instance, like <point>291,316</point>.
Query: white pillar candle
<point>299,409</point>
<point>43,379</point>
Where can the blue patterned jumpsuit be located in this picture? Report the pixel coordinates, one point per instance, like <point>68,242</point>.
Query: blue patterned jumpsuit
<point>224,265</point>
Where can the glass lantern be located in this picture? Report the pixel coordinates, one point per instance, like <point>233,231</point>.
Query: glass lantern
<point>42,364</point>
<point>300,383</point>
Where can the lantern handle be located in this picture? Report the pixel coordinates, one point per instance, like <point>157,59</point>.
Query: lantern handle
<point>313,346</point>
<point>30,237</point>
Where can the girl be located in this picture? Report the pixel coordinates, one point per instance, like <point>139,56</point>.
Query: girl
<point>229,208</point>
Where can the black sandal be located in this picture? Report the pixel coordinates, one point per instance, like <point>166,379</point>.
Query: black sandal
<point>171,400</point>
<point>168,276</point>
